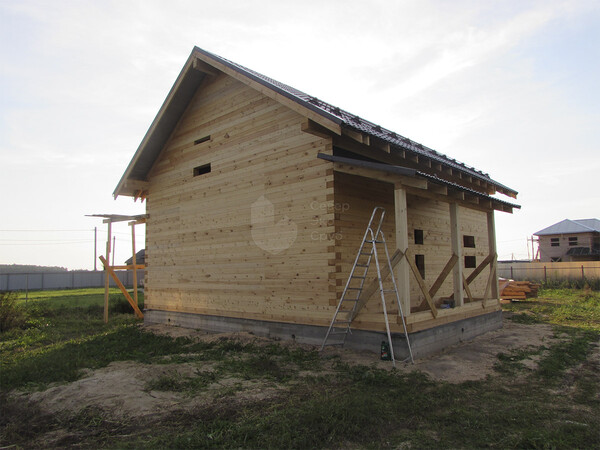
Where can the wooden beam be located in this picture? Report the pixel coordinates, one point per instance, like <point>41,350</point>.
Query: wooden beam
<point>442,276</point>
<point>402,273</point>
<point>312,127</point>
<point>134,263</point>
<point>491,226</point>
<point>112,273</point>
<point>355,135</point>
<point>129,267</point>
<point>492,279</point>
<point>455,239</point>
<point>418,183</point>
<point>136,185</point>
<point>467,289</point>
<point>374,285</point>
<point>488,259</point>
<point>207,69</point>
<point>422,286</point>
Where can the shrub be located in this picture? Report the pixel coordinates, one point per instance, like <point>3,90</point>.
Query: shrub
<point>11,314</point>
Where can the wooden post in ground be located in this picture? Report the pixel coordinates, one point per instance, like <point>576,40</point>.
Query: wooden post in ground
<point>402,269</point>
<point>106,274</point>
<point>457,272</point>
<point>134,262</point>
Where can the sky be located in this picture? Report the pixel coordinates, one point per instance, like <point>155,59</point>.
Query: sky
<point>509,87</point>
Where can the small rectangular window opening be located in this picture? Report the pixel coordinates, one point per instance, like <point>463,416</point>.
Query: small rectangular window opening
<point>554,242</point>
<point>202,139</point>
<point>201,170</point>
<point>470,262</point>
<point>420,263</point>
<point>573,241</point>
<point>419,237</point>
<point>469,241</point>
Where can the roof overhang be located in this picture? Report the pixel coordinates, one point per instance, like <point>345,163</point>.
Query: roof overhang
<point>199,65</point>
<point>419,183</point>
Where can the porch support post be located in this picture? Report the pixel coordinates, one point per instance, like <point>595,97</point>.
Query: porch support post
<point>457,271</point>
<point>402,269</point>
<point>491,226</point>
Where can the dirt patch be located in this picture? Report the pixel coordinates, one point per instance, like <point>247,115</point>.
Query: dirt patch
<point>475,359</point>
<point>118,388</point>
<point>121,388</point>
<point>468,361</point>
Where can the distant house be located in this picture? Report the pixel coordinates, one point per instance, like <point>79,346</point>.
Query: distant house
<point>140,257</point>
<point>570,240</point>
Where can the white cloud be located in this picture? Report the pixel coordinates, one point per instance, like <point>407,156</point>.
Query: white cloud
<point>81,82</point>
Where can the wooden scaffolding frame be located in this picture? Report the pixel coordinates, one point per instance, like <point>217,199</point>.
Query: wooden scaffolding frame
<point>109,219</point>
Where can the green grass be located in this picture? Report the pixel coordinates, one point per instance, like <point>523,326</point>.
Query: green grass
<point>319,403</point>
<point>568,307</point>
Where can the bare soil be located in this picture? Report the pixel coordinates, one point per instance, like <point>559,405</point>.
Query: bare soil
<point>120,388</point>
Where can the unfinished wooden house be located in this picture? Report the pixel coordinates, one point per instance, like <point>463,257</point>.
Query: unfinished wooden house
<point>257,198</point>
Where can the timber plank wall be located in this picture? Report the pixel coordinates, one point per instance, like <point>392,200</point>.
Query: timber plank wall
<point>202,250</point>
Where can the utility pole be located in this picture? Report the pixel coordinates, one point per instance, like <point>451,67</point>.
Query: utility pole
<point>113,261</point>
<point>95,242</point>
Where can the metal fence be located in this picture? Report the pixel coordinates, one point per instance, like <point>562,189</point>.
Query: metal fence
<point>64,280</point>
<point>550,271</point>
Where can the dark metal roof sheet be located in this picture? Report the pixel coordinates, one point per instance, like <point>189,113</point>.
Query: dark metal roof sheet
<point>353,121</point>
<point>405,171</point>
<point>189,80</point>
<point>583,251</point>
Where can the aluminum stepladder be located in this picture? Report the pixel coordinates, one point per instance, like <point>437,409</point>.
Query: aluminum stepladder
<point>340,326</point>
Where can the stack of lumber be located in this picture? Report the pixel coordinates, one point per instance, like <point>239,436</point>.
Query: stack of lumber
<point>517,290</point>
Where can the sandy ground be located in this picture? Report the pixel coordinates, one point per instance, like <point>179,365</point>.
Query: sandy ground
<point>120,388</point>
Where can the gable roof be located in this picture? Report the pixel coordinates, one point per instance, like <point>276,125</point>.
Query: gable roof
<point>568,226</point>
<point>202,63</point>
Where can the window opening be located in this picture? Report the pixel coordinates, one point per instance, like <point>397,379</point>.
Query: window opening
<point>469,241</point>
<point>202,139</point>
<point>419,237</point>
<point>470,262</point>
<point>420,263</point>
<point>201,170</point>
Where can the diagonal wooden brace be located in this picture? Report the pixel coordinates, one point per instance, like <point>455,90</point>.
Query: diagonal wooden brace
<point>112,273</point>
<point>422,285</point>
<point>443,275</point>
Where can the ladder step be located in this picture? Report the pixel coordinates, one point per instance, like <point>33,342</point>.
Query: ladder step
<point>354,289</point>
<point>356,276</point>
<point>349,300</point>
<point>341,321</point>
<point>388,290</point>
<point>362,265</point>
<point>366,254</point>
<point>376,242</point>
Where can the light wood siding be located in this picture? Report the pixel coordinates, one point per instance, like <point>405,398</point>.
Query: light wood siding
<point>355,198</point>
<point>204,252</point>
<point>547,251</point>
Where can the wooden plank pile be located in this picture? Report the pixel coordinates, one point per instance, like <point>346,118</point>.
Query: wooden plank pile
<point>517,290</point>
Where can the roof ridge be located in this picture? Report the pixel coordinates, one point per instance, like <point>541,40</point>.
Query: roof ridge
<point>356,122</point>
